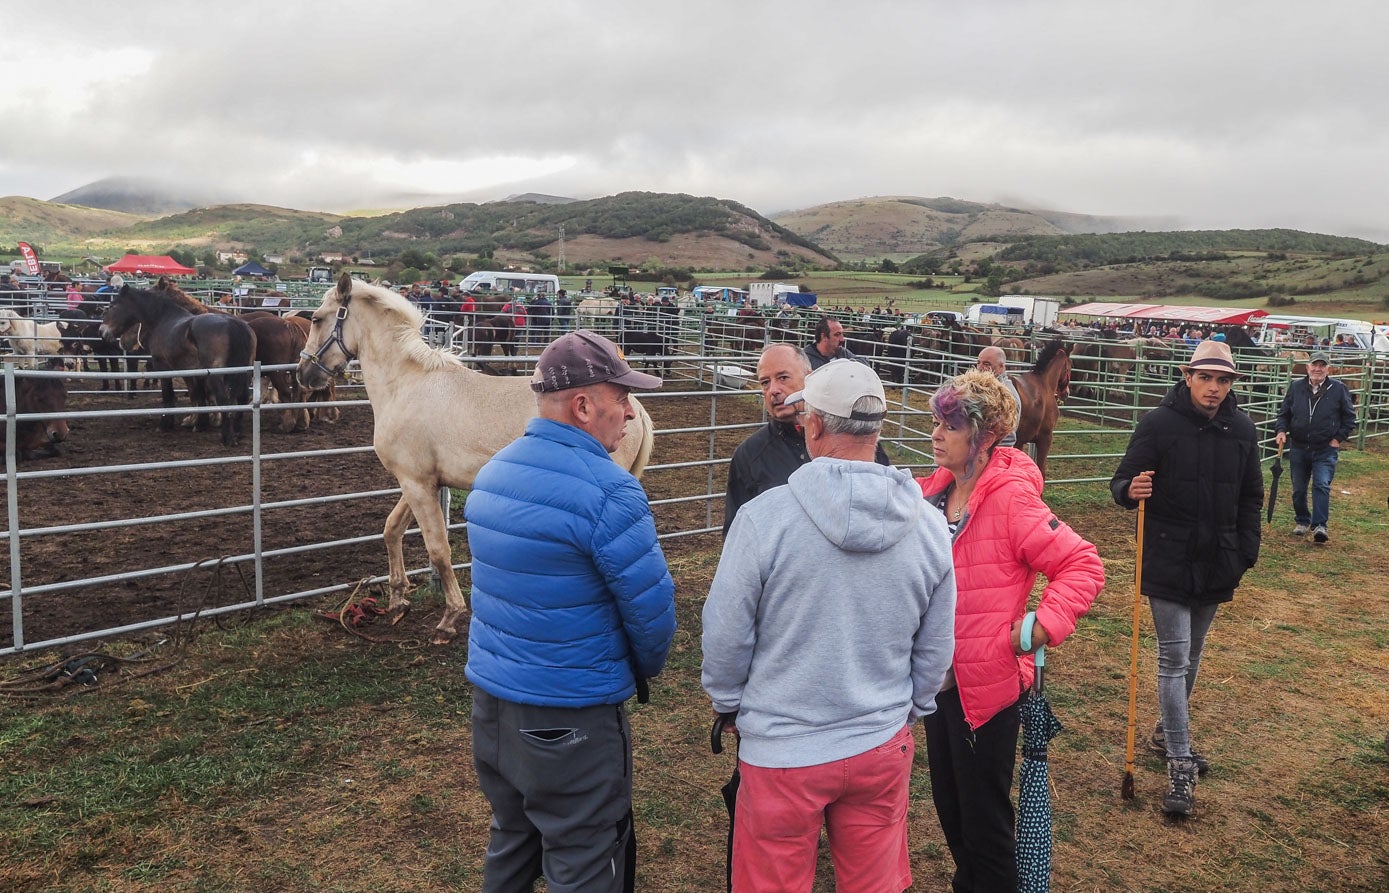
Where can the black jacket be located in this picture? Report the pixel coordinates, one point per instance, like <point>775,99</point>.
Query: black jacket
<point>1313,422</point>
<point>766,460</point>
<point>1202,521</point>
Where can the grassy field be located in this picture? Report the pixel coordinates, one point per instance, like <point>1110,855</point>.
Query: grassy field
<point>280,753</point>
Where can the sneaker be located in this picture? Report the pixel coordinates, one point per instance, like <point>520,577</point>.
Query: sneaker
<point>1302,529</point>
<point>1181,787</point>
<point>1319,534</point>
<point>1158,745</point>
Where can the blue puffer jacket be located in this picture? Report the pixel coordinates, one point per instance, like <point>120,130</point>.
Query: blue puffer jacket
<point>570,588</point>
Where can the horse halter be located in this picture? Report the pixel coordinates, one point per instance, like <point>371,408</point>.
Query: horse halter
<point>316,358</point>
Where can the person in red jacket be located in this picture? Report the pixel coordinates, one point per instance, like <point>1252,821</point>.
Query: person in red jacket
<point>1003,536</point>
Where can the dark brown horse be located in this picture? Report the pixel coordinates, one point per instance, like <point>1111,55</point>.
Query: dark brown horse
<point>278,343</point>
<point>1040,391</point>
<point>178,338</point>
<point>498,331</point>
<point>37,395</point>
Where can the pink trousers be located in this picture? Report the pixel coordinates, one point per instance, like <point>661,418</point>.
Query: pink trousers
<point>862,801</point>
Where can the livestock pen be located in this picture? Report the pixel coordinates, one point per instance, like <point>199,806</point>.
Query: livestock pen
<point>134,529</point>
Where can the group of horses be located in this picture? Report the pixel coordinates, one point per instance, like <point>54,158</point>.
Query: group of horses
<point>178,333</point>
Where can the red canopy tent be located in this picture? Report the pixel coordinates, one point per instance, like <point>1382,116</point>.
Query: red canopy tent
<point>1229,316</point>
<point>150,265</point>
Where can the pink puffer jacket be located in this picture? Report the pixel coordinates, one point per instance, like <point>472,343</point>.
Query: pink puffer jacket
<point>1008,536</point>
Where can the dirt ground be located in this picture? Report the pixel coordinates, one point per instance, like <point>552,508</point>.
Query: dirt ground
<point>1292,705</point>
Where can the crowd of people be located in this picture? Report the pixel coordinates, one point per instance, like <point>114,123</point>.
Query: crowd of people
<point>850,602</point>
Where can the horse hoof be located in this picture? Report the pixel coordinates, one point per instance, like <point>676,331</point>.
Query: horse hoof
<point>397,613</point>
<point>441,637</point>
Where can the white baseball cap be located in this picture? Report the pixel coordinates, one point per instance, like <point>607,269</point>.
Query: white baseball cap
<point>836,386</point>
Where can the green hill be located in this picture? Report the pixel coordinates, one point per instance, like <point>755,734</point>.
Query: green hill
<point>46,224</point>
<point>900,227</point>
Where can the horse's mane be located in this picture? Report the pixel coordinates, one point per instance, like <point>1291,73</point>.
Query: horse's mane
<point>1047,355</point>
<point>166,289</point>
<point>407,319</point>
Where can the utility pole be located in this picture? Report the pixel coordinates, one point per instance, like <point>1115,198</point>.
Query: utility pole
<point>561,247</point>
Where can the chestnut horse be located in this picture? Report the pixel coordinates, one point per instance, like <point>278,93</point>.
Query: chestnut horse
<point>1040,391</point>
<point>437,421</point>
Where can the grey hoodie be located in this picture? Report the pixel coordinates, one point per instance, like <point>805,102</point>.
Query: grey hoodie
<point>830,622</point>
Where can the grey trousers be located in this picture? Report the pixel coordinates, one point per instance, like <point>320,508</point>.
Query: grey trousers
<point>559,781</point>
<point>1181,635</point>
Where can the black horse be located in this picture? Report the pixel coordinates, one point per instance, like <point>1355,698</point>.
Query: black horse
<point>649,344</point>
<point>177,338</point>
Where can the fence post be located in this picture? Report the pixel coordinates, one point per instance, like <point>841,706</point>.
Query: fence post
<point>257,393</point>
<point>12,509</point>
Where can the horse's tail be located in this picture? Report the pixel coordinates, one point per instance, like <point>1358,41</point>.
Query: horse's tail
<point>647,431</point>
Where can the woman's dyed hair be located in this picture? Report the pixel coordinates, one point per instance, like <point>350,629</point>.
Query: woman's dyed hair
<point>977,401</point>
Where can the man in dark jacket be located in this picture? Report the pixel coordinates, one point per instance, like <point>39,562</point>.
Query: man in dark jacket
<point>1195,460</point>
<point>767,458</point>
<point>573,607</point>
<point>1318,416</point>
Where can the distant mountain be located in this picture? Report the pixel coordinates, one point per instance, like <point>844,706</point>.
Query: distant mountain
<point>683,231</point>
<point>904,226</point>
<point>540,198</point>
<point>142,196</point>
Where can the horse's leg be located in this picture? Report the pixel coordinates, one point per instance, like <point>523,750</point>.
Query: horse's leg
<point>397,584</point>
<point>424,501</point>
<point>166,391</point>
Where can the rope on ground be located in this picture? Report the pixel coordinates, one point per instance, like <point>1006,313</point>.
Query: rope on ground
<point>357,612</point>
<point>88,671</point>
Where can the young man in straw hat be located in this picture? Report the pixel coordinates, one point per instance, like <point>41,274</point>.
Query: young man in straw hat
<point>1195,459</point>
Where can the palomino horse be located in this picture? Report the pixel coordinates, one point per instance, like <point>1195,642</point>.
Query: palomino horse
<point>1040,391</point>
<point>437,421</point>
<point>180,339</point>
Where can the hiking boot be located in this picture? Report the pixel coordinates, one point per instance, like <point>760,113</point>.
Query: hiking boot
<point>1181,787</point>
<point>1158,745</point>
<point>1301,529</point>
<point>1319,534</point>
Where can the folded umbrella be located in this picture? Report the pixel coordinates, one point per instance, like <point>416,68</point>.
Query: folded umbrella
<point>1039,726</point>
<point>1273,487</point>
<point>730,788</point>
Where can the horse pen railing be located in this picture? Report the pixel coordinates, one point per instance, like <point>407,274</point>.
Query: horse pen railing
<point>703,419</point>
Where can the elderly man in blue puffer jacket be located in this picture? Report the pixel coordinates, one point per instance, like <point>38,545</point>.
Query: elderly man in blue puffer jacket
<point>572,605</point>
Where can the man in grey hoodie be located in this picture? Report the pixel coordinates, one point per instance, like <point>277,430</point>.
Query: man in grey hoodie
<point>828,630</point>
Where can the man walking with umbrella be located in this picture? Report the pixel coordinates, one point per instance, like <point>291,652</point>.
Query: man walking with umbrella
<point>1195,460</point>
<point>827,631</point>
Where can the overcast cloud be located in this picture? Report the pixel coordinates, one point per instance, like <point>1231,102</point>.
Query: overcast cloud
<point>1217,114</point>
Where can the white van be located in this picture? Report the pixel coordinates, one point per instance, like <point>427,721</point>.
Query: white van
<point>490,280</point>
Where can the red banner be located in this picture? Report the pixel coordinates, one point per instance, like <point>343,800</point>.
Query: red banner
<point>31,260</point>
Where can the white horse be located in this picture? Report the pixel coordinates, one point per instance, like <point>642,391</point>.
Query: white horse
<point>597,314</point>
<point>437,421</point>
<point>28,337</point>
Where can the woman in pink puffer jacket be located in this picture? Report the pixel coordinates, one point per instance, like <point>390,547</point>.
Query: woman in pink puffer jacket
<point>1003,537</point>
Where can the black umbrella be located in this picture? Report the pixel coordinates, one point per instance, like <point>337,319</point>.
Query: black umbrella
<point>1039,726</point>
<point>1273,487</point>
<point>730,788</point>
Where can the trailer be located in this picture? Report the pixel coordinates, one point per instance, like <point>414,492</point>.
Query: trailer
<point>1036,311</point>
<point>995,315</point>
<point>768,294</point>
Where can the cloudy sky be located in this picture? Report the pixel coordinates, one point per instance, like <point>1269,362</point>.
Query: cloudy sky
<point>1213,113</point>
